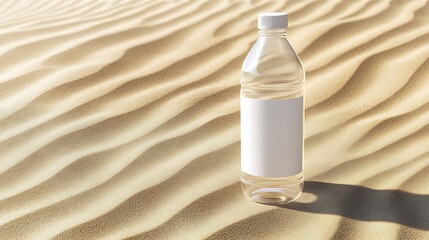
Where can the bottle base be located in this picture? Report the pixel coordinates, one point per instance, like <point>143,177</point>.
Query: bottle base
<point>274,191</point>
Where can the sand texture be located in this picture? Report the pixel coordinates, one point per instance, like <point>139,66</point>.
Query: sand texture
<point>120,119</point>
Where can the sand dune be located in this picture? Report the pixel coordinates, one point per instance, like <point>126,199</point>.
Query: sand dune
<point>120,119</point>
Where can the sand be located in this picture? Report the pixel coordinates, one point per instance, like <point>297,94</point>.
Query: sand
<point>120,119</point>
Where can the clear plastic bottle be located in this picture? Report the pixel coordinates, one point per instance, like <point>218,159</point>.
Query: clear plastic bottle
<point>272,116</point>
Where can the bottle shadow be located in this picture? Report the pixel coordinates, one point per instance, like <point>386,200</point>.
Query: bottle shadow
<point>365,204</point>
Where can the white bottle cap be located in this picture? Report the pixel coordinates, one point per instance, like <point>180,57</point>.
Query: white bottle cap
<point>272,20</point>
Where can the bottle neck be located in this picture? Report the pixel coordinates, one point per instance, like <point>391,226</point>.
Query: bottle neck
<point>272,32</point>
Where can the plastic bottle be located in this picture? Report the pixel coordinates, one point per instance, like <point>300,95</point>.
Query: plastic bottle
<point>272,115</point>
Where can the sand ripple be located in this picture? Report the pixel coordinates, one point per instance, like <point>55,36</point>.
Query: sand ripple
<point>120,119</point>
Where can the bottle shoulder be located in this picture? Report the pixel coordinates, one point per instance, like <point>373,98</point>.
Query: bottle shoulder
<point>272,56</point>
<point>272,70</point>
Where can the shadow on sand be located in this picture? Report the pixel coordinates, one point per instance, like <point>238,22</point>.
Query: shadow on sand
<point>365,204</point>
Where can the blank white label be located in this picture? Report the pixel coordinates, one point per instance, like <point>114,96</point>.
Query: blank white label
<point>271,136</point>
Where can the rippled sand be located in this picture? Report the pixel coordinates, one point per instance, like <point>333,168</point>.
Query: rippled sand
<point>121,119</point>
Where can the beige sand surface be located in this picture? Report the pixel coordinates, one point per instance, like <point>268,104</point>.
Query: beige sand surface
<point>121,119</point>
